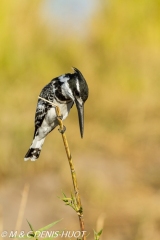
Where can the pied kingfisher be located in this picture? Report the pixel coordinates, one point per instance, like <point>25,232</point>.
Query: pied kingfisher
<point>62,91</point>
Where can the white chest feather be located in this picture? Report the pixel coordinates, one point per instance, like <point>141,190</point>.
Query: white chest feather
<point>64,110</point>
<point>50,120</point>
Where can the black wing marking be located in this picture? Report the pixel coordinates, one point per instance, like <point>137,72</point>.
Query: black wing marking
<point>42,106</point>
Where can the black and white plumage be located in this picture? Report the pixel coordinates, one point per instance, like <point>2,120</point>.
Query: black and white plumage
<point>63,91</point>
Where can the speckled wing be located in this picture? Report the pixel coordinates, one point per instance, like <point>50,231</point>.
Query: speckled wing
<point>42,106</point>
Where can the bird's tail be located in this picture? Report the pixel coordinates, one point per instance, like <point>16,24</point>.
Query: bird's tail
<point>34,150</point>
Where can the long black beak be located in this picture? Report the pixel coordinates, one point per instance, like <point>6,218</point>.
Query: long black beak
<point>80,109</point>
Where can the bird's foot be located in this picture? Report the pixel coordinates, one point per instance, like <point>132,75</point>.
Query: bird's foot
<point>62,130</point>
<point>61,116</point>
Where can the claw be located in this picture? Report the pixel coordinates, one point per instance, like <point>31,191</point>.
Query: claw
<point>61,116</point>
<point>62,130</point>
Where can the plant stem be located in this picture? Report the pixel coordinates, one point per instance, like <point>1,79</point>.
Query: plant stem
<point>73,173</point>
<point>79,209</point>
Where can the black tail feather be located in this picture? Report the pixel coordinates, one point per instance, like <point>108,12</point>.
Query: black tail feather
<point>33,154</point>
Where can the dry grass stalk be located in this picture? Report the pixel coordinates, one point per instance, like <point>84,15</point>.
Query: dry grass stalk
<point>22,207</point>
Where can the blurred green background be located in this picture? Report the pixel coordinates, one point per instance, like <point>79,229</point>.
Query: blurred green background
<point>116,45</point>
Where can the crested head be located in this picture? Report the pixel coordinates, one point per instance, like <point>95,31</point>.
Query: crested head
<point>79,85</point>
<point>74,87</point>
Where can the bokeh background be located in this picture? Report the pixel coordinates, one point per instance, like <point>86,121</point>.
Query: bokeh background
<point>116,45</point>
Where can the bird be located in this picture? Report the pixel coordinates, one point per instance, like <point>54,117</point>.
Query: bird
<point>62,91</point>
